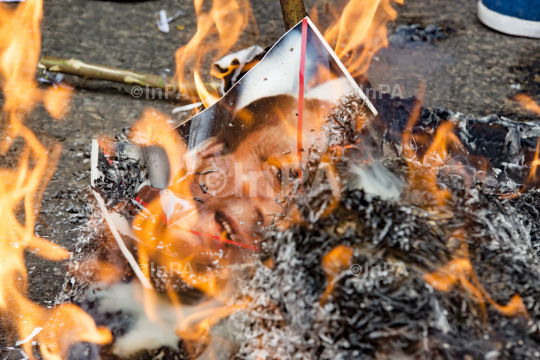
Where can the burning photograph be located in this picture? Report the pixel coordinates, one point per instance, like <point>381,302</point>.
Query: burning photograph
<point>293,179</point>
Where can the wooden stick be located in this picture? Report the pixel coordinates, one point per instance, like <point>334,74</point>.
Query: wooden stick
<point>100,72</point>
<point>293,12</point>
<point>108,73</point>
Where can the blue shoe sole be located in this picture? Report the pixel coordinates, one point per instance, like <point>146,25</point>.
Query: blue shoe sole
<point>508,24</point>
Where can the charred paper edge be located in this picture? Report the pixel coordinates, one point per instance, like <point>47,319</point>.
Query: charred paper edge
<point>94,173</point>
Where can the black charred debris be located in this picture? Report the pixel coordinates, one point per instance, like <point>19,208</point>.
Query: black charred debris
<point>389,314</point>
<point>417,33</point>
<point>120,179</point>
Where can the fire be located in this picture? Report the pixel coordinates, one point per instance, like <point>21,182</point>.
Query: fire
<point>460,271</point>
<point>173,245</point>
<point>226,19</point>
<point>532,179</point>
<point>154,129</point>
<point>534,164</point>
<point>423,170</point>
<point>528,103</point>
<point>334,263</point>
<point>356,36</point>
<point>361,32</point>
<point>435,156</point>
<point>207,98</point>
<point>21,191</point>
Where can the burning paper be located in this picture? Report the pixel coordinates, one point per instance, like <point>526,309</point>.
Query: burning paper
<point>197,202</point>
<point>231,171</point>
<point>202,195</point>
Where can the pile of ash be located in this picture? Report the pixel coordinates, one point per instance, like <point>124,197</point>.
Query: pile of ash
<point>370,278</point>
<point>386,308</point>
<point>412,278</point>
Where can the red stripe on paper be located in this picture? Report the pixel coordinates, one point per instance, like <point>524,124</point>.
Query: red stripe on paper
<point>141,201</point>
<point>301,89</point>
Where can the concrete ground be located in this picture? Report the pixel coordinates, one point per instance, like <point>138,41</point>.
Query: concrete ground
<point>475,71</point>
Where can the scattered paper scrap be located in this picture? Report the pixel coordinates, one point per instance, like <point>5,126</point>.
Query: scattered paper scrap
<point>163,22</point>
<point>30,337</point>
<point>186,107</point>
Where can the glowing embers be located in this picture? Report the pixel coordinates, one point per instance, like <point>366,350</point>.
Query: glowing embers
<point>459,271</point>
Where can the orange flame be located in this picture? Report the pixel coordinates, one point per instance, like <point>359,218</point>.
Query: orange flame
<point>337,260</point>
<point>459,271</point>
<point>534,164</point>
<point>361,32</point>
<point>528,103</point>
<point>531,179</point>
<point>181,249</point>
<point>226,20</point>
<point>205,96</point>
<point>154,128</point>
<point>21,190</point>
<point>163,242</point>
<point>423,172</point>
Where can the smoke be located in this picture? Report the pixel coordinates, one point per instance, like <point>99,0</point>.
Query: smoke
<point>141,332</point>
<point>375,180</point>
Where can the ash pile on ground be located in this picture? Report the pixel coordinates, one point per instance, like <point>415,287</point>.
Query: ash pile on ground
<point>372,315</point>
<point>416,33</point>
<point>389,314</point>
